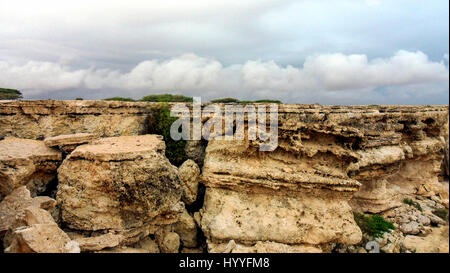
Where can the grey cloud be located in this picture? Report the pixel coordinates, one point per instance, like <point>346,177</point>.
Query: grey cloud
<point>195,75</point>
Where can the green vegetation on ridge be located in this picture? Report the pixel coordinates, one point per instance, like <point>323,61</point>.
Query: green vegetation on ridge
<point>167,98</point>
<point>160,124</point>
<point>10,94</point>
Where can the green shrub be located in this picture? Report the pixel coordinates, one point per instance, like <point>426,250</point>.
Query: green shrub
<point>10,94</point>
<point>167,98</point>
<point>225,100</point>
<point>119,99</point>
<point>441,213</point>
<point>412,203</point>
<point>79,99</point>
<point>374,225</point>
<point>160,124</point>
<point>268,101</point>
<point>233,100</point>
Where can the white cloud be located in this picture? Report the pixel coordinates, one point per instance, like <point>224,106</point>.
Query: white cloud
<point>190,73</point>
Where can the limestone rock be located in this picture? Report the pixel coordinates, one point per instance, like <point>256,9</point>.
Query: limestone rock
<point>100,242</point>
<point>119,183</point>
<point>410,228</point>
<point>40,238</point>
<point>15,205</point>
<point>191,250</point>
<point>261,247</point>
<point>37,232</point>
<point>195,150</point>
<point>68,143</point>
<point>47,118</point>
<point>300,219</point>
<point>436,242</point>
<point>25,162</point>
<point>187,230</point>
<point>189,177</point>
<point>123,249</point>
<point>149,245</point>
<point>169,242</point>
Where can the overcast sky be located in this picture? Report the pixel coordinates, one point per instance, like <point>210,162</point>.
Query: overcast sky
<point>318,51</point>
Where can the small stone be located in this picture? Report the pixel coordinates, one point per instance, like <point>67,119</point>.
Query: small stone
<point>170,243</point>
<point>410,228</point>
<point>189,175</point>
<point>424,220</point>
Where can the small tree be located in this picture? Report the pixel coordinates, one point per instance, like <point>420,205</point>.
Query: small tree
<point>10,94</point>
<point>167,98</point>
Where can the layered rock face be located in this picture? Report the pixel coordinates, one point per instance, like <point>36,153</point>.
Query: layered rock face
<point>118,184</point>
<point>26,162</point>
<point>115,187</point>
<point>41,119</point>
<point>329,161</point>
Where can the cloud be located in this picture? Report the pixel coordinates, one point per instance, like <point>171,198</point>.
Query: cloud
<point>195,75</point>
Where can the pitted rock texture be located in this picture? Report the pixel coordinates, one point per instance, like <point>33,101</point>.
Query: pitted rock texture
<point>48,118</point>
<point>26,162</point>
<point>328,158</point>
<point>119,183</point>
<point>14,205</point>
<point>330,161</point>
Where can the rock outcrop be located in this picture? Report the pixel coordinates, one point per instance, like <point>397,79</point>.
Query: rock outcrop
<point>48,118</point>
<point>117,192</point>
<point>68,143</point>
<point>26,162</point>
<point>327,159</point>
<point>122,184</point>
<point>14,205</point>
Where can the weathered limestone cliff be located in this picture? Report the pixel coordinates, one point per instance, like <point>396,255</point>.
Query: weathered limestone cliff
<point>117,192</point>
<point>41,119</point>
<point>328,158</point>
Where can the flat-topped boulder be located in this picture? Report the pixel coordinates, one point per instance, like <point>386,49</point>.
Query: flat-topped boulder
<point>121,148</point>
<point>68,143</point>
<point>26,162</point>
<point>119,184</point>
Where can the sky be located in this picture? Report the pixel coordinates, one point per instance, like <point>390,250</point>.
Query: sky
<point>319,51</point>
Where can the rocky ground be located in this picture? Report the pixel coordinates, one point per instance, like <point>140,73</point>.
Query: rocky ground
<point>73,178</point>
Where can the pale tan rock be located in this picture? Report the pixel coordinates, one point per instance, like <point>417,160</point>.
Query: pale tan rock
<point>123,250</point>
<point>100,242</point>
<point>119,183</point>
<point>191,250</point>
<point>261,247</point>
<point>435,242</point>
<point>189,177</point>
<point>47,118</point>
<point>14,207</point>
<point>30,216</point>
<point>68,143</point>
<point>25,162</point>
<point>195,150</point>
<point>300,219</point>
<point>187,230</point>
<point>169,242</point>
<point>39,238</point>
<point>149,245</point>
<point>251,197</point>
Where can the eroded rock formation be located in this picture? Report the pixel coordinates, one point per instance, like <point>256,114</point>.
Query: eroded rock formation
<point>119,184</point>
<point>121,194</point>
<point>26,162</point>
